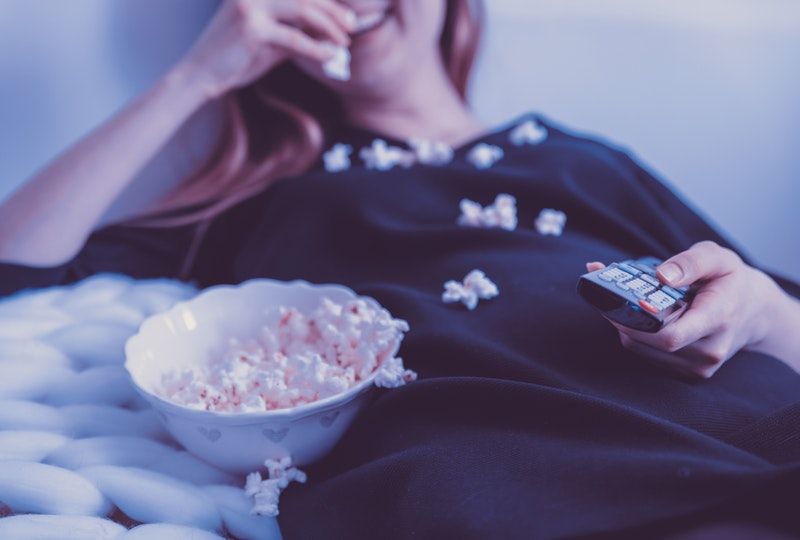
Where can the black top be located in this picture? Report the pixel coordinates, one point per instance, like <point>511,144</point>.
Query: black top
<point>529,418</point>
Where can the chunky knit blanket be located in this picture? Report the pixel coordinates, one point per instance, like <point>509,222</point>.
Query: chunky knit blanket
<point>81,455</point>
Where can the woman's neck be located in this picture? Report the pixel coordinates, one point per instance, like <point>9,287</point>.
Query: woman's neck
<point>427,106</point>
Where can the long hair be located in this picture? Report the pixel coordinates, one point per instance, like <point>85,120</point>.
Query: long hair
<point>277,127</point>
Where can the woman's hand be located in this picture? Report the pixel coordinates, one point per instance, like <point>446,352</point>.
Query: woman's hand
<point>735,307</point>
<point>247,38</point>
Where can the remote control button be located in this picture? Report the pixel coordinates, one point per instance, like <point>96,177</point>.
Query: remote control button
<point>649,307</point>
<point>644,268</point>
<point>614,274</point>
<point>623,285</point>
<point>650,279</point>
<point>628,268</point>
<point>660,300</point>
<point>677,295</point>
<point>640,288</point>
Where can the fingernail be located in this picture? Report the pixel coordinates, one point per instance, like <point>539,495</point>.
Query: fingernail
<point>670,272</point>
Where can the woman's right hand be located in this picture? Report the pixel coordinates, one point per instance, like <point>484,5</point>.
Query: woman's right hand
<point>247,38</point>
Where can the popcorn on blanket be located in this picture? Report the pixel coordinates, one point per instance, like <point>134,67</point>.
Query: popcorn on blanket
<point>502,213</point>
<point>528,132</point>
<point>382,157</point>
<point>551,222</point>
<point>337,159</point>
<point>431,152</point>
<point>483,155</point>
<point>266,492</point>
<point>476,286</point>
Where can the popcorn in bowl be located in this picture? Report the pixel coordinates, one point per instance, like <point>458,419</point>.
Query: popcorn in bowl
<point>304,363</point>
<point>283,391</point>
<point>295,359</point>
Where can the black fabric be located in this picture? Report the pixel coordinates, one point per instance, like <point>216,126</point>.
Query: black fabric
<point>529,420</point>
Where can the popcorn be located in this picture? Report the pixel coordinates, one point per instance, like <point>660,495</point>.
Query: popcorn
<point>296,358</point>
<point>265,501</point>
<point>551,222</point>
<point>502,214</point>
<point>475,286</point>
<point>529,132</point>
<point>392,374</point>
<point>484,155</point>
<point>431,152</point>
<point>338,67</point>
<point>266,493</point>
<point>252,484</point>
<point>337,159</point>
<point>383,157</point>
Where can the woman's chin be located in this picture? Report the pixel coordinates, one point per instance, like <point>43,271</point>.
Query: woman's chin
<point>374,79</point>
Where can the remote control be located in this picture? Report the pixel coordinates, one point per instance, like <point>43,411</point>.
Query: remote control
<point>629,293</point>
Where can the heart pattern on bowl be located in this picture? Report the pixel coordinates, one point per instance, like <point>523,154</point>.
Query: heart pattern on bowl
<point>326,420</point>
<point>212,435</point>
<point>275,435</point>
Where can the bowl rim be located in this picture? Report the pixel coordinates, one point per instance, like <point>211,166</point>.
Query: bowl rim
<point>290,413</point>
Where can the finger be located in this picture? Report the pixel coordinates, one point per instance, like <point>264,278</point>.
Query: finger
<point>298,42</point>
<point>309,16</point>
<point>592,266</point>
<point>704,260</point>
<point>661,359</point>
<point>714,350</point>
<point>688,362</point>
<point>699,321</point>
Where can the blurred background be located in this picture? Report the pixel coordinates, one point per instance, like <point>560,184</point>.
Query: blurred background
<point>705,92</point>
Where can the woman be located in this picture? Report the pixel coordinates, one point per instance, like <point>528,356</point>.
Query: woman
<point>530,418</point>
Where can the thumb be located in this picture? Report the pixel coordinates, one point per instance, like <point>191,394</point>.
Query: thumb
<point>704,260</point>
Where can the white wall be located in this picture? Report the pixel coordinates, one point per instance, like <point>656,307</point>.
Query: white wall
<point>706,91</point>
<point>67,65</point>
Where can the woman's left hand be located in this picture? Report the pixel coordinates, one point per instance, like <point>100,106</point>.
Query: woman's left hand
<point>734,308</point>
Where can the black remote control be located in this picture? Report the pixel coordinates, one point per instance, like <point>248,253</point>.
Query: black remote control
<point>629,293</point>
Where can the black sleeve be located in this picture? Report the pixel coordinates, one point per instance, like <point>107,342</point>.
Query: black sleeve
<point>690,227</point>
<point>136,251</point>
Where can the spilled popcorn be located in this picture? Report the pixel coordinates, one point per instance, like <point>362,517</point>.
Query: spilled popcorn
<point>393,373</point>
<point>338,67</point>
<point>476,286</point>
<point>528,132</point>
<point>297,358</point>
<point>266,492</point>
<point>484,155</point>
<point>431,152</point>
<point>502,214</point>
<point>551,222</point>
<point>337,159</point>
<point>382,157</point>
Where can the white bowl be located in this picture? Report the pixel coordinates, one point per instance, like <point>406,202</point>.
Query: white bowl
<point>239,442</point>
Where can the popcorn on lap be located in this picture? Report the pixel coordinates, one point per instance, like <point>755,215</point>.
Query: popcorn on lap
<point>551,222</point>
<point>502,213</point>
<point>476,286</point>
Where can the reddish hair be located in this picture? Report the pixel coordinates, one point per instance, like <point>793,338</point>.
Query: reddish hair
<point>277,127</point>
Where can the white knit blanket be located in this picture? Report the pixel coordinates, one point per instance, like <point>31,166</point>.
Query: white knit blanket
<point>81,455</point>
